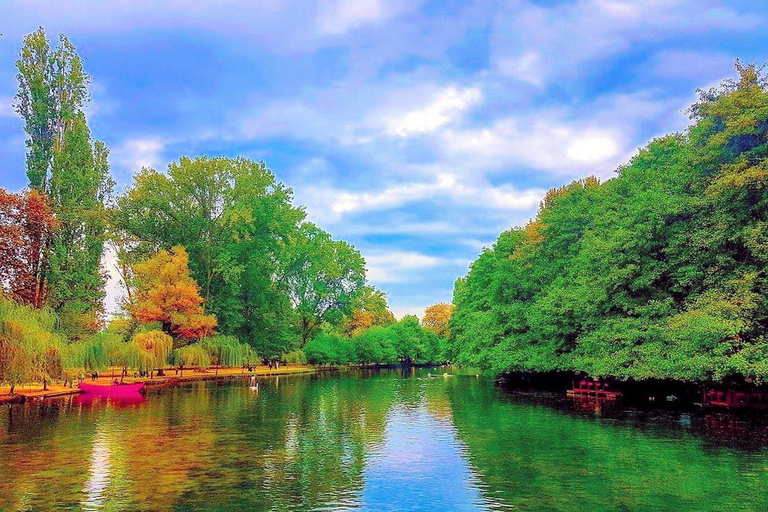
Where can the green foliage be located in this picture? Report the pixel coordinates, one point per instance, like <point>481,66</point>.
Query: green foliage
<point>30,350</point>
<point>71,169</point>
<point>191,355</point>
<point>295,357</point>
<point>269,278</point>
<point>225,350</point>
<point>657,273</point>
<point>404,342</point>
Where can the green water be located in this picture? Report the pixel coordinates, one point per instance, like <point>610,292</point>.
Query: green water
<point>374,441</point>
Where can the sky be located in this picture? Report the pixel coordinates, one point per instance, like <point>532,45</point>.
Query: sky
<point>417,131</point>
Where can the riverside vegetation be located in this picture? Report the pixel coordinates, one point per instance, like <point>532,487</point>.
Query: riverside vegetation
<point>218,266</point>
<point>659,272</point>
<point>656,273</point>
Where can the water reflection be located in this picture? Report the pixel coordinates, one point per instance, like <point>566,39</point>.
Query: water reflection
<point>100,470</point>
<point>374,441</point>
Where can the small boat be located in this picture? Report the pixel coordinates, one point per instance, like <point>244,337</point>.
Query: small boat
<point>112,389</point>
<point>594,389</point>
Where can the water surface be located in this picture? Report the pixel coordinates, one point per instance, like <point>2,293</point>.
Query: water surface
<point>374,441</point>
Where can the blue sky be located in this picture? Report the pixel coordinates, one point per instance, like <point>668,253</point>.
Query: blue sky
<point>416,130</point>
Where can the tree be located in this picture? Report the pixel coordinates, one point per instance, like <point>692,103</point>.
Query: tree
<point>64,164</point>
<point>29,348</point>
<point>26,221</point>
<point>191,355</point>
<point>166,293</point>
<point>148,350</point>
<point>370,308</point>
<point>324,278</point>
<point>437,318</point>
<point>657,273</point>
<point>235,221</point>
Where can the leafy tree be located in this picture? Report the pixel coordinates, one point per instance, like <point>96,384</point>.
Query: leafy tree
<point>191,355</point>
<point>657,273</point>
<point>26,220</point>
<point>30,350</point>
<point>370,309</point>
<point>68,167</point>
<point>437,318</point>
<point>324,278</point>
<point>149,350</point>
<point>235,221</point>
<point>166,293</point>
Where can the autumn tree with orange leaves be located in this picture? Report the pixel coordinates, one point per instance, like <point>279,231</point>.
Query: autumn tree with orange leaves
<point>437,317</point>
<point>26,221</point>
<point>166,293</point>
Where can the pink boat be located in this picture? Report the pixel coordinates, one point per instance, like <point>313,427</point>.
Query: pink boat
<point>117,390</point>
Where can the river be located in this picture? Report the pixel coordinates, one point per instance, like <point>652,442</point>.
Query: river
<point>375,441</point>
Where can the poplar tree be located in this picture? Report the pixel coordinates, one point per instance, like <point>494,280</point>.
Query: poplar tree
<point>65,164</point>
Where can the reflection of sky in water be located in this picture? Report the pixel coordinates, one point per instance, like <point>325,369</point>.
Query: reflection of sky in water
<point>96,486</point>
<point>420,466</point>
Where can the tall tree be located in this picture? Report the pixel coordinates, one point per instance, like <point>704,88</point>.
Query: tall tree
<point>370,308</point>
<point>71,169</point>
<point>658,273</point>
<point>324,278</point>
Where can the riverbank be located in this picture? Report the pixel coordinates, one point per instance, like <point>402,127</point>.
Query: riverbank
<point>171,378</point>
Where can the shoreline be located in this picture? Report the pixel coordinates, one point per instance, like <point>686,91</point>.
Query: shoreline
<point>35,392</point>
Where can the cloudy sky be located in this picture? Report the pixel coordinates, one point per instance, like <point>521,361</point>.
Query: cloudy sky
<point>416,130</point>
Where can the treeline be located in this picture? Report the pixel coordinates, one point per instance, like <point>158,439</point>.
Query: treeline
<point>657,273</point>
<point>218,265</point>
<point>403,342</point>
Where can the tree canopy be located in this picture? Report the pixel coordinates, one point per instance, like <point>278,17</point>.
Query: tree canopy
<point>659,272</point>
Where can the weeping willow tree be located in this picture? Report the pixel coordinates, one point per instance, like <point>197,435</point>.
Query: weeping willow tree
<point>148,351</point>
<point>29,348</point>
<point>191,355</point>
<point>224,351</point>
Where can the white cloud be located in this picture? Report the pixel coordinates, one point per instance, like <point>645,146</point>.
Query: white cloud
<point>336,202</point>
<point>592,149</point>
<point>549,144</point>
<point>446,107</point>
<point>340,16</point>
<point>527,67</point>
<point>574,37</point>
<point>133,154</point>
<point>409,310</point>
<point>403,266</point>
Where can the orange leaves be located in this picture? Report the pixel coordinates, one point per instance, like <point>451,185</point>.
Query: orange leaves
<point>166,293</point>
<point>26,221</point>
<point>437,318</point>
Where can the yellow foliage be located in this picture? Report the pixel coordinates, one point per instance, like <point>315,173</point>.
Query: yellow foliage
<point>437,318</point>
<point>166,293</point>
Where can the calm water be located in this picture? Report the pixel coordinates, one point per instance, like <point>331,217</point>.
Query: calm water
<point>377,441</point>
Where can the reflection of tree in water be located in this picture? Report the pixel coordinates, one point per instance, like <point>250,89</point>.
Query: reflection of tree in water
<point>297,446</point>
<point>537,457</point>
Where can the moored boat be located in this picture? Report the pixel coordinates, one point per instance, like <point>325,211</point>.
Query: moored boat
<point>112,389</point>
<point>594,389</point>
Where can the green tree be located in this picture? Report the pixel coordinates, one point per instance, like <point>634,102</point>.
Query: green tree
<point>71,169</point>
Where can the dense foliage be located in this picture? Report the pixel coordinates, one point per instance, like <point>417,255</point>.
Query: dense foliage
<point>405,342</point>
<point>659,272</point>
<point>219,266</point>
<point>70,168</point>
<point>270,278</point>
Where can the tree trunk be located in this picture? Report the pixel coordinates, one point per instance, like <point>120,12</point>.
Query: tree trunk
<point>45,385</point>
